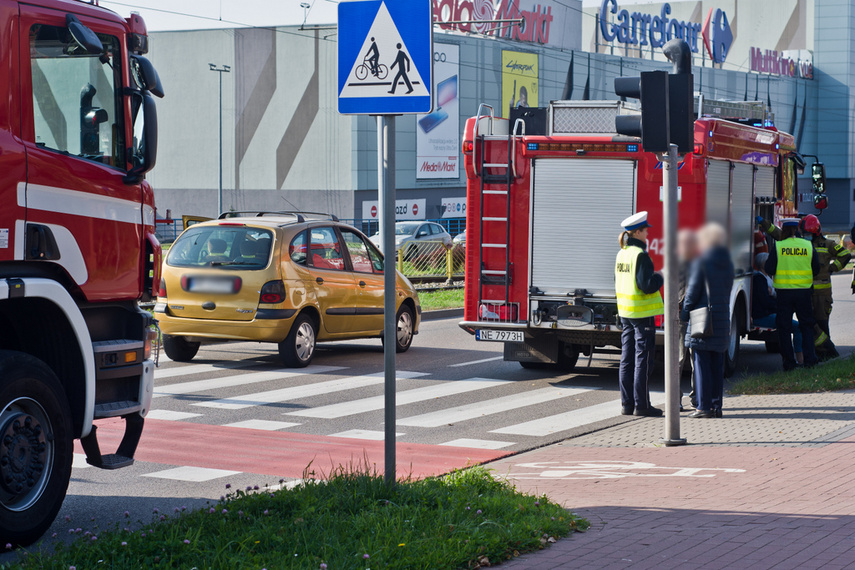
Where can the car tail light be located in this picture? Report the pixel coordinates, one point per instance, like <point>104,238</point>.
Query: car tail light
<point>162,291</point>
<point>498,312</point>
<point>273,292</point>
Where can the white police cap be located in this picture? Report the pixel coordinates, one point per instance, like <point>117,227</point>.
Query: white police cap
<point>636,222</point>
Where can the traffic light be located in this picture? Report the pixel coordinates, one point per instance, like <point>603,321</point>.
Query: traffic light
<point>667,103</point>
<point>651,88</point>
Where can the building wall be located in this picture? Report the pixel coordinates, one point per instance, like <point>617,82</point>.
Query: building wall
<point>285,145</point>
<point>835,72</point>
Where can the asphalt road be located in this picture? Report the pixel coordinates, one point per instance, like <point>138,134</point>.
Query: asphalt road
<point>235,416</point>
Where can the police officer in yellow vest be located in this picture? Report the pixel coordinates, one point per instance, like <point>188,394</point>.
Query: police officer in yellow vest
<point>639,301</point>
<point>793,262</point>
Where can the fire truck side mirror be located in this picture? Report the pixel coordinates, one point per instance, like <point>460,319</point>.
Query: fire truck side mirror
<point>817,174</point>
<point>83,36</point>
<point>144,150</point>
<point>145,75</point>
<point>820,201</point>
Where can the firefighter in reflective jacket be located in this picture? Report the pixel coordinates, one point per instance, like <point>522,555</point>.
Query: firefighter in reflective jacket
<point>639,301</point>
<point>793,263</point>
<point>832,257</point>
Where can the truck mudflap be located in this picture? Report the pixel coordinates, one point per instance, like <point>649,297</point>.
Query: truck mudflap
<point>124,456</point>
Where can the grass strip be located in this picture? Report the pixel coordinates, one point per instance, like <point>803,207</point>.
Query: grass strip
<point>441,299</point>
<point>837,374</point>
<point>466,519</point>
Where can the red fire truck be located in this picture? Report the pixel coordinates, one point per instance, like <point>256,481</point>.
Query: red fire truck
<point>546,196</point>
<point>78,133</point>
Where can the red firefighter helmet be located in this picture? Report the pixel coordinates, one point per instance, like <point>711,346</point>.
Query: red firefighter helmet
<point>760,245</point>
<point>812,225</point>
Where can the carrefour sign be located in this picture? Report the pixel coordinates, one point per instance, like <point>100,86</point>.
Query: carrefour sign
<point>642,29</point>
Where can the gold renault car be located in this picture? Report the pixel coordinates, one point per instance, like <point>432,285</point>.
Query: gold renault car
<point>292,278</point>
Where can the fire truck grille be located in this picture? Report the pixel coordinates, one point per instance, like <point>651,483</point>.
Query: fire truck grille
<point>580,117</point>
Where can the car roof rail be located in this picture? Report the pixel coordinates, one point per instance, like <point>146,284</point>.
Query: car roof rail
<point>299,215</point>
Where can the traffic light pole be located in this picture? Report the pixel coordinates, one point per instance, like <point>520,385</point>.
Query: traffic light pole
<point>673,393</point>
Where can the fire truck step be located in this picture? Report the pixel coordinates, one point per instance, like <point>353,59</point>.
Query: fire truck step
<point>493,245</point>
<point>495,219</point>
<point>495,178</point>
<point>496,165</point>
<point>493,272</point>
<point>496,192</point>
<point>124,455</point>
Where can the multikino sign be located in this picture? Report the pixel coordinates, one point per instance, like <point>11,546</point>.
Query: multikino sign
<point>637,28</point>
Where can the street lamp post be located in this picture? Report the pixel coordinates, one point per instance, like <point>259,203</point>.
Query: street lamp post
<point>220,70</point>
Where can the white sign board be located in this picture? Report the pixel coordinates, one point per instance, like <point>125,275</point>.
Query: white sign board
<point>454,207</point>
<point>404,210</point>
<point>438,133</point>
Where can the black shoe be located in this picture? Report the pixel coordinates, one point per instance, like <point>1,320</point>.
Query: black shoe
<point>626,411</point>
<point>717,413</point>
<point>702,414</point>
<point>649,412</point>
<point>681,408</point>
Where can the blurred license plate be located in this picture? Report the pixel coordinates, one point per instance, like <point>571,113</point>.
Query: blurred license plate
<point>211,285</point>
<point>500,336</point>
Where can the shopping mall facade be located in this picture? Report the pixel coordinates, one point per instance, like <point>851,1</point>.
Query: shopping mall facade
<point>285,146</point>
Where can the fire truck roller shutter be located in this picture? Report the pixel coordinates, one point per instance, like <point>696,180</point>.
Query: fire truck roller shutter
<point>718,192</point>
<point>742,218</point>
<point>764,192</point>
<point>596,195</point>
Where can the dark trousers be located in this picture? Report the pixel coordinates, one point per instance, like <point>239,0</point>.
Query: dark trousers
<point>709,379</point>
<point>638,341</point>
<point>798,302</point>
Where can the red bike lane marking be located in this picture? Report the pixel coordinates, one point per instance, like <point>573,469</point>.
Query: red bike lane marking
<point>282,454</point>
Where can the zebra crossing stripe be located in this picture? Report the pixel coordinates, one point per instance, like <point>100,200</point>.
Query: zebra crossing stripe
<point>173,371</point>
<point>267,425</point>
<point>494,406</point>
<point>373,403</point>
<point>238,380</point>
<point>572,419</point>
<point>304,391</point>
<point>478,443</point>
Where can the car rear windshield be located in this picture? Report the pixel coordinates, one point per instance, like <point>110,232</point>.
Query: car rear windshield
<point>224,247</point>
<point>406,229</point>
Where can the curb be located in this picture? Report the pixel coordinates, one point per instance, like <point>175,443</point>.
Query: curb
<point>442,314</point>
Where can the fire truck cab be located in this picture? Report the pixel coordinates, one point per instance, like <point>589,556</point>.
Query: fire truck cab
<point>78,133</point>
<point>545,198</point>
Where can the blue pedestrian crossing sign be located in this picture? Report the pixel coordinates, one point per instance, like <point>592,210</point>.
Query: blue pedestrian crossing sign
<point>385,57</point>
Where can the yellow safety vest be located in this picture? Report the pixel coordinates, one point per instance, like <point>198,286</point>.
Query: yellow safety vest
<point>794,268</point>
<point>632,302</point>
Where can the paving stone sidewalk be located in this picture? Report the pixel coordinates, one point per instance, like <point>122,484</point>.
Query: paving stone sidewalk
<point>770,485</point>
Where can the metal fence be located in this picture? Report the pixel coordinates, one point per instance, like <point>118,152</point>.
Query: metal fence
<point>168,229</point>
<point>432,261</point>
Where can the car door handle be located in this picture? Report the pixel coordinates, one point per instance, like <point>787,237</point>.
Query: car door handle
<point>320,280</point>
<point>362,283</point>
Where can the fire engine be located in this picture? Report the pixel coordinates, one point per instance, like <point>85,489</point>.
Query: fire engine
<point>78,133</point>
<point>545,198</point>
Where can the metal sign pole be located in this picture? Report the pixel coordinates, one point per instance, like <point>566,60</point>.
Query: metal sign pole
<point>386,213</point>
<point>673,392</point>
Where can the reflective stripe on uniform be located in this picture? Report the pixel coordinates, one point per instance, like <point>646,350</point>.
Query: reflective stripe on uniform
<point>632,302</point>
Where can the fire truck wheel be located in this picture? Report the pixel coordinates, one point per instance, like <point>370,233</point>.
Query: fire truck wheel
<point>731,355</point>
<point>179,349</point>
<point>35,447</point>
<point>298,348</point>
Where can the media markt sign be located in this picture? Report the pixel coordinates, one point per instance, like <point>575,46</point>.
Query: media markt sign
<point>617,24</point>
